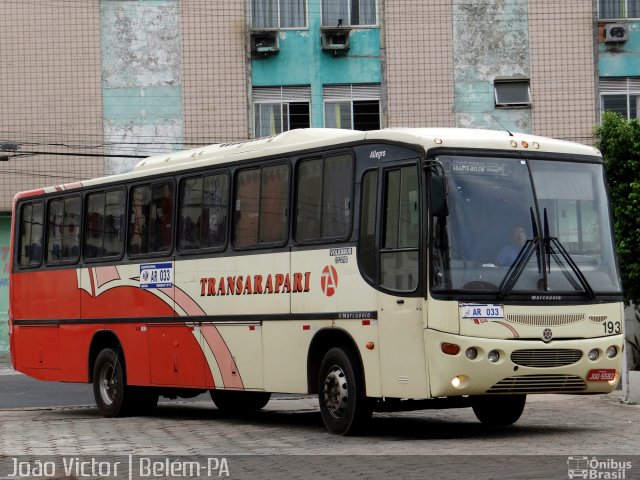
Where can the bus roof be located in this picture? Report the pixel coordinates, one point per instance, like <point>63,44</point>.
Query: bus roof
<point>313,138</point>
<point>310,138</point>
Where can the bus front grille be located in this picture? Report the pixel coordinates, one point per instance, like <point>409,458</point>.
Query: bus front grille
<point>545,320</point>
<point>539,384</point>
<point>545,358</point>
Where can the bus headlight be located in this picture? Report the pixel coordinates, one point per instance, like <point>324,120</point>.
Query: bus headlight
<point>593,354</point>
<point>612,351</point>
<point>493,356</point>
<point>471,353</point>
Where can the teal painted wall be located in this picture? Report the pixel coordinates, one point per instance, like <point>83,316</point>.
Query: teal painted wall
<point>5,231</point>
<point>301,61</point>
<point>490,40</point>
<point>141,77</point>
<point>623,59</point>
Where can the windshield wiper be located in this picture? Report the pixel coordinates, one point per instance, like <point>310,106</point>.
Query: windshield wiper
<point>551,242</point>
<point>520,263</point>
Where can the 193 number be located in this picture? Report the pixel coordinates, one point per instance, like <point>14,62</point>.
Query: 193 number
<point>612,327</point>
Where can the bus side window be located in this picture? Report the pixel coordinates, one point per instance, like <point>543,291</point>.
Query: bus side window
<point>30,251</point>
<point>366,246</point>
<point>139,220</point>
<point>261,206</point>
<point>151,218</point>
<point>104,228</point>
<point>54,231</point>
<point>203,212</point>
<point>324,191</point>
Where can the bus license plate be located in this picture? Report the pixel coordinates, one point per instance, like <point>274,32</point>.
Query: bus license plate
<point>601,375</point>
<point>477,310</point>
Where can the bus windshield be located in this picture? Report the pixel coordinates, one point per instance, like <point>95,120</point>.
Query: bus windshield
<point>521,226</point>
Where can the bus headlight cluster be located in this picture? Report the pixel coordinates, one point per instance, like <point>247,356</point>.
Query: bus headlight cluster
<point>593,354</point>
<point>612,351</point>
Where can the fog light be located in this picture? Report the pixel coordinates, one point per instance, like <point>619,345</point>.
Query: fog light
<point>471,353</point>
<point>612,351</point>
<point>493,356</point>
<point>616,377</point>
<point>593,354</point>
<point>459,381</point>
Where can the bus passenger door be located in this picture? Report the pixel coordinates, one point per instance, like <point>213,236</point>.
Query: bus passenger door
<point>399,274</point>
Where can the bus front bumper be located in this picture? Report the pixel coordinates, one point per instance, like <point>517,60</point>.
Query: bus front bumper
<point>461,365</point>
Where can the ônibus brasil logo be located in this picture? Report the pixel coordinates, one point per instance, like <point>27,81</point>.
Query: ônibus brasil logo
<point>329,280</point>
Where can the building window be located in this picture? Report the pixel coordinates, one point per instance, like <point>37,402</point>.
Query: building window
<point>279,13</point>
<point>620,95</point>
<point>348,12</point>
<point>512,93</point>
<point>610,9</point>
<point>355,107</point>
<point>279,109</point>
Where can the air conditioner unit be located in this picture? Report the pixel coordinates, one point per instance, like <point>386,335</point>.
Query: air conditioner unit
<point>615,32</point>
<point>264,42</point>
<point>335,40</point>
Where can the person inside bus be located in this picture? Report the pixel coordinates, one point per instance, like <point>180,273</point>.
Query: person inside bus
<point>508,253</point>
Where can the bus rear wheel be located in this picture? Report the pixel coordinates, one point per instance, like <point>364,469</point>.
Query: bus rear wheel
<point>234,401</point>
<point>498,410</point>
<point>345,409</point>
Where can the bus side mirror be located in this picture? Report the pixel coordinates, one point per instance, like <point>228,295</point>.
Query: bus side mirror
<point>438,194</point>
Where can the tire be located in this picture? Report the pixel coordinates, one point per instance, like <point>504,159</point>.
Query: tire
<point>345,409</point>
<point>113,397</point>
<point>498,410</point>
<point>233,401</point>
<point>109,384</point>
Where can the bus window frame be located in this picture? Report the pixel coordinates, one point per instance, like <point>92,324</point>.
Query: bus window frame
<point>85,231</point>
<point>45,231</point>
<point>383,181</point>
<point>18,232</point>
<point>323,155</point>
<point>260,165</point>
<point>177,211</point>
<point>150,182</point>
<point>381,171</point>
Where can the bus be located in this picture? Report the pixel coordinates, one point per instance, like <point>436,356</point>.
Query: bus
<point>388,270</point>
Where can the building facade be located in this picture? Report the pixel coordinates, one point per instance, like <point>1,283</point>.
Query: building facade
<point>88,87</point>
<point>618,38</point>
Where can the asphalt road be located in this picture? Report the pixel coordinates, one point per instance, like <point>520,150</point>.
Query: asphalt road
<point>20,391</point>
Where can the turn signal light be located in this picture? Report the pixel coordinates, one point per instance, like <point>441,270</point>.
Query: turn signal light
<point>450,348</point>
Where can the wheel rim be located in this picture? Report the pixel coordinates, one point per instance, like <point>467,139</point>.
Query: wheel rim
<point>108,384</point>
<point>336,393</point>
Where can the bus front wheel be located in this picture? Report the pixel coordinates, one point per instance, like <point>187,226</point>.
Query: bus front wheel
<point>498,410</point>
<point>345,409</point>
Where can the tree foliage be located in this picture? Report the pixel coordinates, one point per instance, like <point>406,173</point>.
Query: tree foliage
<point>619,142</point>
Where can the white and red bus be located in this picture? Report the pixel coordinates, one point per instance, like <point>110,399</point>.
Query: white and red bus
<point>387,270</point>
